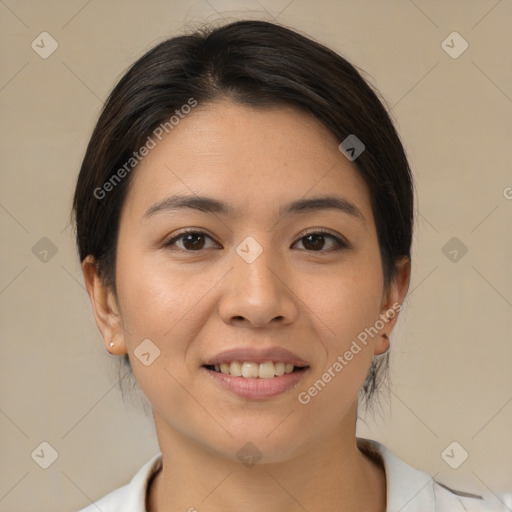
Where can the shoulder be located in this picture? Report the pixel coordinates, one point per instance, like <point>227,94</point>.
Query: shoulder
<point>109,503</point>
<point>130,497</point>
<point>451,500</point>
<point>411,490</point>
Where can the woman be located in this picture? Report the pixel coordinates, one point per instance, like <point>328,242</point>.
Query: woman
<point>244,219</point>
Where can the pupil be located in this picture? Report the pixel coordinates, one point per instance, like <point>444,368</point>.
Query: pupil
<point>318,239</point>
<point>195,244</point>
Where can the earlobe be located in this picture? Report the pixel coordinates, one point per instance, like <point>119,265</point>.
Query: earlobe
<point>104,307</point>
<point>381,345</point>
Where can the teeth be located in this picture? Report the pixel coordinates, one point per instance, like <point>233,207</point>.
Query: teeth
<point>279,369</point>
<point>266,370</point>
<point>250,370</point>
<point>235,369</point>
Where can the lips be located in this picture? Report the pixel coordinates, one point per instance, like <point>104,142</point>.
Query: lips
<point>258,356</point>
<point>256,374</point>
<point>256,388</point>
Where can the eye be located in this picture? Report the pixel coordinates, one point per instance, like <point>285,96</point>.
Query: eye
<point>192,240</point>
<point>315,241</point>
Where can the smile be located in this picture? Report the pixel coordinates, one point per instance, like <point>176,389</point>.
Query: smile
<point>253,381</point>
<point>252,370</point>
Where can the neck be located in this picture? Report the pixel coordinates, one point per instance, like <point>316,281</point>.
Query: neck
<point>333,474</point>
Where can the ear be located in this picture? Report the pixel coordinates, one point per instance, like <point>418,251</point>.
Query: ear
<point>391,304</point>
<point>105,308</point>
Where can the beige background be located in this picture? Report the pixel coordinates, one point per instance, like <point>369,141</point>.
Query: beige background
<point>452,350</point>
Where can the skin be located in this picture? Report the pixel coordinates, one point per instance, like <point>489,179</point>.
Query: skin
<point>195,304</point>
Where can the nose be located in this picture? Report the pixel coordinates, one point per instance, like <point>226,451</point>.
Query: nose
<point>258,294</point>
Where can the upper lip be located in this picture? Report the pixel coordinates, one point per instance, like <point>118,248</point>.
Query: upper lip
<point>241,354</point>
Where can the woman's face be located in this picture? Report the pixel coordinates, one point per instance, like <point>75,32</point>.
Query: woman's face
<point>249,281</point>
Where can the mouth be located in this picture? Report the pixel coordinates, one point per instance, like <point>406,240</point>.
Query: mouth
<point>256,374</point>
<point>254,370</point>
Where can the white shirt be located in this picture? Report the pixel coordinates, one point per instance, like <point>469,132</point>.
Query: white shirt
<point>408,489</point>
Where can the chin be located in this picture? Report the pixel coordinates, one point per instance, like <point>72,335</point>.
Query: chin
<point>254,445</point>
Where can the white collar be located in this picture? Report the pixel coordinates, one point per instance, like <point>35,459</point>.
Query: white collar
<point>407,489</point>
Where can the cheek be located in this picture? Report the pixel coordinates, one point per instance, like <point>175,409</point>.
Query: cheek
<point>348,307</point>
<point>169,305</point>
<point>348,299</point>
<point>164,306</point>
<point>155,296</point>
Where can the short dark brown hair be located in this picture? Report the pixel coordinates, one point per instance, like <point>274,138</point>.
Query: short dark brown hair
<point>254,63</point>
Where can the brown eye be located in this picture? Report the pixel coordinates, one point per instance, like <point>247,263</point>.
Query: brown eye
<point>190,241</point>
<point>315,242</point>
<point>193,241</point>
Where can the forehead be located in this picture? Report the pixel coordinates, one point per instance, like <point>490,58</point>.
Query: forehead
<point>250,158</point>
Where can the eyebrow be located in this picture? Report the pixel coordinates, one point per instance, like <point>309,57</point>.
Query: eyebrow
<point>211,205</point>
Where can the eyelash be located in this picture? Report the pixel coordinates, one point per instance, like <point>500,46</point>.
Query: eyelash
<point>340,244</point>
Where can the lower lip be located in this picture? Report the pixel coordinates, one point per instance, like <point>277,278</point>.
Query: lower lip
<point>256,388</point>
